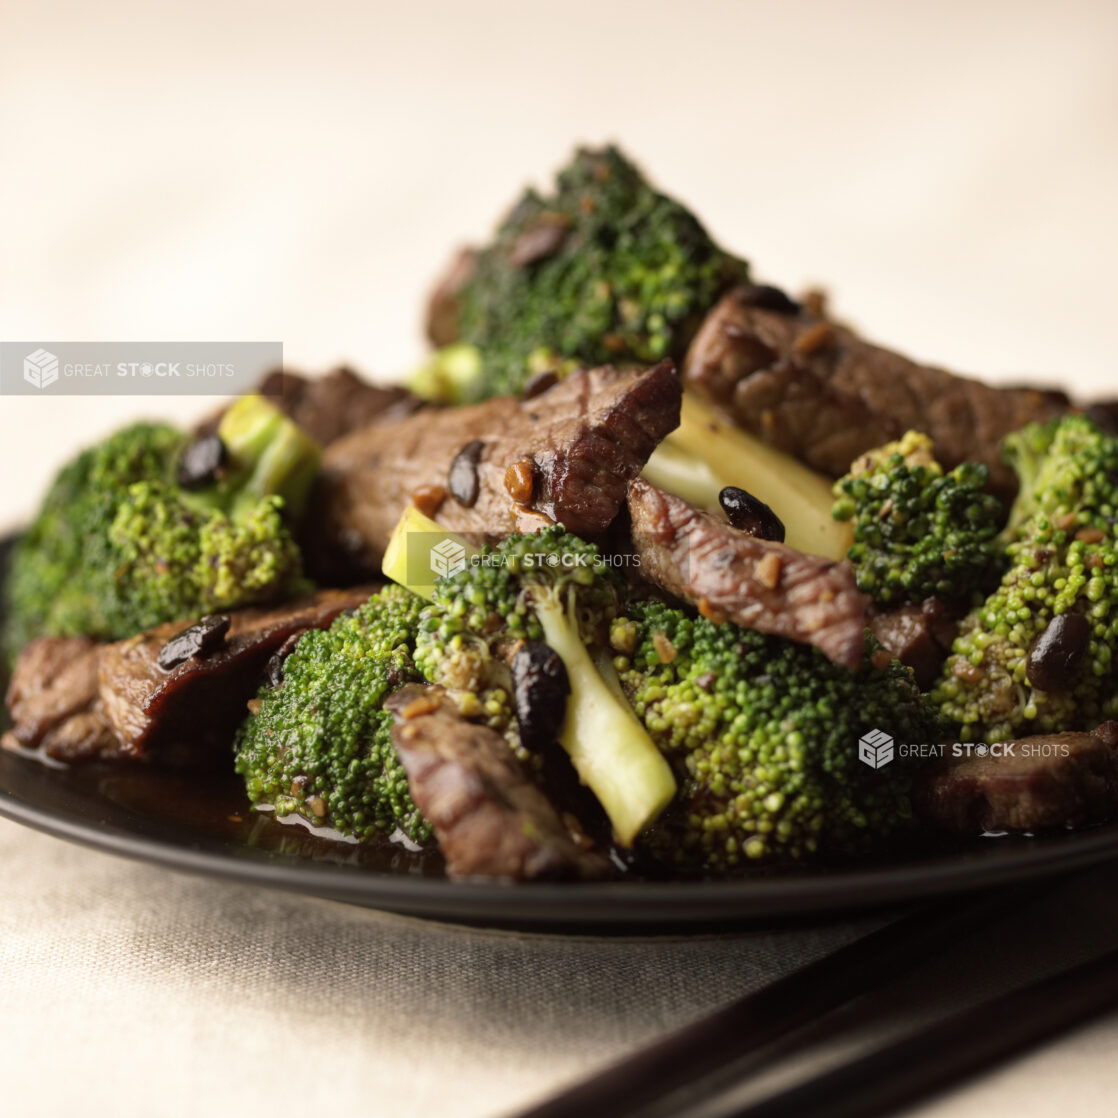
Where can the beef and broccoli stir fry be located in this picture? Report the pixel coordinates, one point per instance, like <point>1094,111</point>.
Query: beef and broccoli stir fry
<point>634,574</point>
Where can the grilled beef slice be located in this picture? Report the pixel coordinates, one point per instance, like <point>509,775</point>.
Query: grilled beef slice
<point>919,635</point>
<point>330,406</point>
<point>494,468</point>
<point>443,305</point>
<point>818,391</point>
<point>757,583</point>
<point>489,818</point>
<point>203,699</point>
<point>1027,790</point>
<point>1105,414</point>
<point>81,700</point>
<point>53,701</point>
<point>54,678</point>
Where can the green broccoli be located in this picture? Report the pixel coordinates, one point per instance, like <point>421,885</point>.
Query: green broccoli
<point>120,545</point>
<point>604,269</point>
<point>449,374</point>
<point>764,737</point>
<point>551,587</point>
<point>608,270</point>
<point>1015,669</point>
<point>320,745</point>
<point>919,532</point>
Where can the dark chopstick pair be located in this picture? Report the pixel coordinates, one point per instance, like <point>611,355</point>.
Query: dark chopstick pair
<point>701,1062</point>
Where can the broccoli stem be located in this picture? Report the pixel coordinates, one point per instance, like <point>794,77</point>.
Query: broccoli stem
<point>706,453</point>
<point>1026,451</point>
<point>449,374</point>
<point>269,454</point>
<point>676,469</point>
<point>610,749</point>
<point>413,568</point>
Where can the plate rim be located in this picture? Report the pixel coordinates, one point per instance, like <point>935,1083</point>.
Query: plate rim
<point>562,905</point>
<point>643,906</point>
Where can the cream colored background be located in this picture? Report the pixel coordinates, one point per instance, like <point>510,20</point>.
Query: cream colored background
<point>299,172</point>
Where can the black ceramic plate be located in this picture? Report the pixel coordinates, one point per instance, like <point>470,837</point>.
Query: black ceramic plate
<point>204,825</point>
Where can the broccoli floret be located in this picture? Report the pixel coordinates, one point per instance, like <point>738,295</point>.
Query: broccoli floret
<point>551,587</point>
<point>919,532</point>
<point>1063,467</point>
<point>764,737</point>
<point>1062,557</point>
<point>119,545</point>
<point>60,580</point>
<point>604,269</point>
<point>320,744</point>
<point>173,560</point>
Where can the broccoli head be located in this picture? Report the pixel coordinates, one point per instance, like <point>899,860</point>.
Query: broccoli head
<point>174,560</point>
<point>763,734</point>
<point>124,540</point>
<point>555,588</point>
<point>60,580</point>
<point>919,532</point>
<point>319,745</point>
<point>1036,655</point>
<point>1063,467</point>
<point>603,269</point>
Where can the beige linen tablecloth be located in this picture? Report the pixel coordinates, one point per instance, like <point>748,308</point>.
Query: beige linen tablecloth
<point>128,990</point>
<point>301,172</point>
<point>150,993</point>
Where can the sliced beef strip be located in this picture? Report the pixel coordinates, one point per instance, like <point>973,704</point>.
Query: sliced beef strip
<point>81,700</point>
<point>83,737</point>
<point>201,701</point>
<point>757,583</point>
<point>53,701</point>
<point>330,406</point>
<point>815,389</point>
<point>1105,414</point>
<point>565,455</point>
<point>490,819</point>
<point>919,635</point>
<point>443,305</point>
<point>54,704</point>
<point>54,678</point>
<point>1026,790</point>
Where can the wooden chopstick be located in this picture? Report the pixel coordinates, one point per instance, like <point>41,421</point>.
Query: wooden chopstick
<point>687,1057</point>
<point>934,1058</point>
